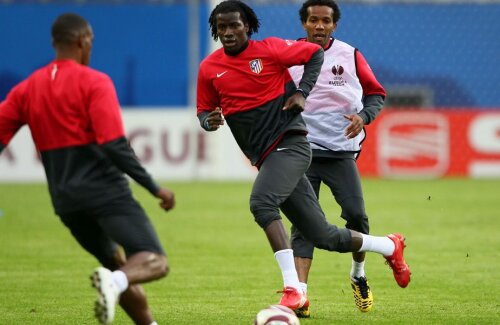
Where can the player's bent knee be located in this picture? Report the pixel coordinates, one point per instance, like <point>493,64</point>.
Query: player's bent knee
<point>156,264</point>
<point>164,268</point>
<point>265,220</point>
<point>263,213</point>
<point>356,218</point>
<point>358,223</point>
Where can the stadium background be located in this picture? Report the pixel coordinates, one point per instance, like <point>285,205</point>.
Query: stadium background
<point>439,62</point>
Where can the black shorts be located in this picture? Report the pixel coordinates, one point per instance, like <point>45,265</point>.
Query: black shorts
<point>121,222</point>
<point>342,177</point>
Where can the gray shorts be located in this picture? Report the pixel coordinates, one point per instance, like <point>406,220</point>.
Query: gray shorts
<point>121,222</point>
<point>282,184</point>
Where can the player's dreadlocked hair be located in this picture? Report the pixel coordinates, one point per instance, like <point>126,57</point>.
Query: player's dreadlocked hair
<point>329,3</point>
<point>67,28</point>
<point>246,13</point>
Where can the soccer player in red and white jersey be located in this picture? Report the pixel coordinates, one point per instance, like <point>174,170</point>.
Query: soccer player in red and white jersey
<point>75,121</point>
<point>346,97</point>
<point>246,83</point>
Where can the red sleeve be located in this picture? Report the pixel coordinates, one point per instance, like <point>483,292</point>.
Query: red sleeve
<point>206,96</point>
<point>370,84</point>
<point>290,53</point>
<point>104,111</point>
<point>11,113</point>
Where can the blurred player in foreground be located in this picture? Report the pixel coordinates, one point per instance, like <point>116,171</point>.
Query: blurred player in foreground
<point>346,97</point>
<point>75,121</point>
<point>247,84</point>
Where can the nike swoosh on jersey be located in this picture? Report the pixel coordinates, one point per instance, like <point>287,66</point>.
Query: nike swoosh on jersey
<point>281,149</point>
<point>221,74</point>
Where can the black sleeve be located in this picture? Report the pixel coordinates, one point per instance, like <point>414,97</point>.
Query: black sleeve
<point>1,147</point>
<point>122,155</point>
<point>372,105</point>
<point>311,72</point>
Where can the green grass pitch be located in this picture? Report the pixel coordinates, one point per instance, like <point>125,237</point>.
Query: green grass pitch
<point>223,270</point>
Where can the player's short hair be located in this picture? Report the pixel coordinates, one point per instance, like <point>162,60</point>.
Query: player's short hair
<point>247,15</point>
<point>329,3</point>
<point>67,28</point>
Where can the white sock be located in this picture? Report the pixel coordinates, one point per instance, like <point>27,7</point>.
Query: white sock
<point>381,245</point>
<point>357,269</point>
<point>154,323</point>
<point>303,286</point>
<point>287,266</point>
<point>120,280</point>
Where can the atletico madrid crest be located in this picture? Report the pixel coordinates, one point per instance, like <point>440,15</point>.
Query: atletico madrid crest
<point>256,66</point>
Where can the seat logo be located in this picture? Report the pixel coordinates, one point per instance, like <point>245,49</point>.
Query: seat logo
<point>413,145</point>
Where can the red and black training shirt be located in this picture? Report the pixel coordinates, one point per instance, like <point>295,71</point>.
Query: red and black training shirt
<point>252,86</point>
<point>75,121</point>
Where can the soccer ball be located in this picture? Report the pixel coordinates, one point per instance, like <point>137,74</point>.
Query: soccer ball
<point>276,315</point>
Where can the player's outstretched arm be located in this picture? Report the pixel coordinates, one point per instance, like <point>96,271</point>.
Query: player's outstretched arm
<point>123,157</point>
